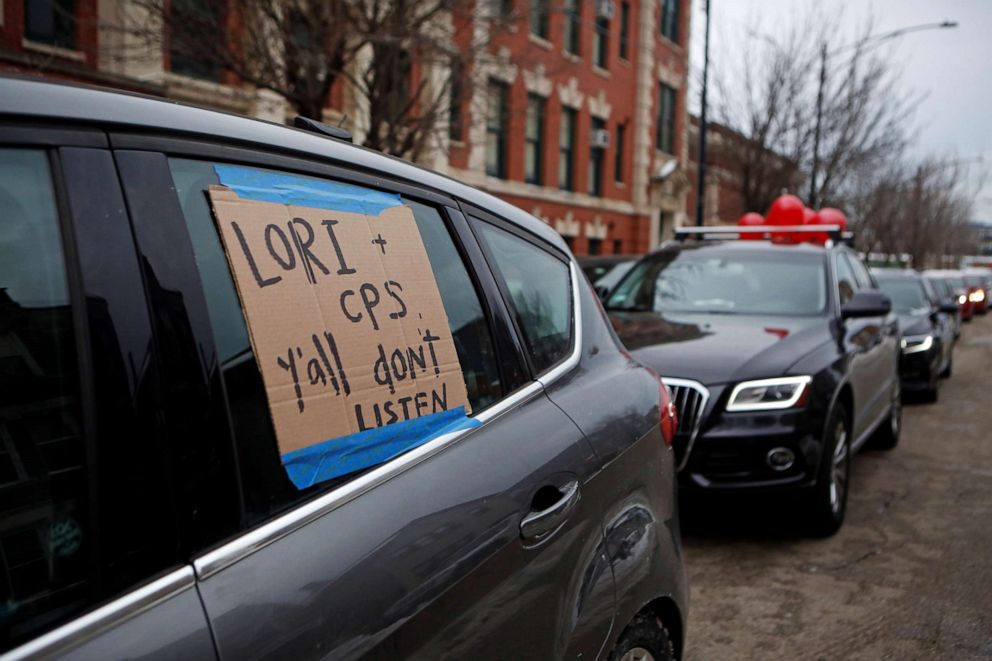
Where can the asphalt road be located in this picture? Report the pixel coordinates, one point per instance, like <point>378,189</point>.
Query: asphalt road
<point>909,575</point>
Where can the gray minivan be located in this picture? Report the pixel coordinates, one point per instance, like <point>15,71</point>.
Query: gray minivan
<point>144,508</point>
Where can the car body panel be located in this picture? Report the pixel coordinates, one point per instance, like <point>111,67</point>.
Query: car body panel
<point>426,560</point>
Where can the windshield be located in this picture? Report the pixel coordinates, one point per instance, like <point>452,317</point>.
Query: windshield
<point>907,295</point>
<point>742,283</point>
<point>608,276</point>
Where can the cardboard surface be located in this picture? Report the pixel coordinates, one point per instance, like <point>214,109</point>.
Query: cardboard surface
<point>345,317</point>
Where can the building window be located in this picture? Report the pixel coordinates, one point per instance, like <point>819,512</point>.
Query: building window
<point>595,246</point>
<point>665,129</point>
<point>598,139</point>
<point>670,19</point>
<point>501,8</point>
<point>496,129</point>
<point>618,153</point>
<point>569,241</point>
<point>51,22</point>
<point>534,140</point>
<point>570,30</point>
<point>455,128</point>
<point>617,246</point>
<point>601,42</point>
<point>189,20</point>
<point>566,148</point>
<point>625,30</point>
<point>539,18</point>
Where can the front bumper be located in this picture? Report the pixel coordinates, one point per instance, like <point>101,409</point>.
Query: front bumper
<point>917,371</point>
<point>731,451</point>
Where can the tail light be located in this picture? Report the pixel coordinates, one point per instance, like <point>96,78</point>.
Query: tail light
<point>667,413</point>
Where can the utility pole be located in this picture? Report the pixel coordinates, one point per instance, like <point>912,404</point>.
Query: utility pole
<point>813,201</point>
<point>701,172</point>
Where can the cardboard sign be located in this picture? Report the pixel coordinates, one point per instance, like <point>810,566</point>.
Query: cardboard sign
<point>344,314</point>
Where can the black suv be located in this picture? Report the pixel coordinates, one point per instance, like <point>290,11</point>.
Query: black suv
<point>782,360</point>
<point>148,509</point>
<point>926,322</point>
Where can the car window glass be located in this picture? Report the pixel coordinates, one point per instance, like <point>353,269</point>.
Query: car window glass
<point>266,485</point>
<point>907,295</point>
<point>847,283</point>
<point>860,272</point>
<point>539,285</point>
<point>724,282</point>
<point>45,533</point>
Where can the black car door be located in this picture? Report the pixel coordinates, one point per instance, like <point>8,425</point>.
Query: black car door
<point>877,339</point>
<point>476,544</point>
<point>92,562</point>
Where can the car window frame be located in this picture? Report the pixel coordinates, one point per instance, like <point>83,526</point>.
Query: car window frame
<point>101,614</point>
<point>453,211</point>
<point>475,215</point>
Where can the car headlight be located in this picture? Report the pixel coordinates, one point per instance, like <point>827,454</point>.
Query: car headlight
<point>767,394</point>
<point>976,296</point>
<point>915,343</point>
<point>962,299</point>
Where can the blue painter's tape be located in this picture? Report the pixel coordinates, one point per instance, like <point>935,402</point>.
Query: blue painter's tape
<point>281,188</point>
<point>347,454</point>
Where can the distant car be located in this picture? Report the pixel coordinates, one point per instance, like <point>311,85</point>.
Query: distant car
<point>146,508</point>
<point>945,293</point>
<point>782,360</point>
<point>979,288</point>
<point>927,329</point>
<point>605,271</point>
<point>956,281</point>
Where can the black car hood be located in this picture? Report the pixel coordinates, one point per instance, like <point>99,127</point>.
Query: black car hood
<point>914,324</point>
<point>715,348</point>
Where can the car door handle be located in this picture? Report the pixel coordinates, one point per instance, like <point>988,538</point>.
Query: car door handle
<point>543,521</point>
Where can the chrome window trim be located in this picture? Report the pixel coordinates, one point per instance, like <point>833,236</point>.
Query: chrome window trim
<point>704,393</point>
<point>244,545</point>
<point>109,615</point>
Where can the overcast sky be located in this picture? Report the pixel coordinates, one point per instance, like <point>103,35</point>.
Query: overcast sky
<point>952,68</point>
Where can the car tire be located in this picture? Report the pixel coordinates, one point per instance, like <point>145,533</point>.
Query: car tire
<point>645,638</point>
<point>829,495</point>
<point>887,435</point>
<point>949,369</point>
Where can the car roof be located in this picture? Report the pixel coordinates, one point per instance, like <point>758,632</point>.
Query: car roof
<point>738,246</point>
<point>35,99</point>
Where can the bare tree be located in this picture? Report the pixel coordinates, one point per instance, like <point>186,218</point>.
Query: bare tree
<point>398,60</point>
<point>782,102</point>
<point>920,211</point>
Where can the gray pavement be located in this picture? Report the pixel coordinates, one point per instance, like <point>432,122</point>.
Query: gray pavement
<point>909,576</point>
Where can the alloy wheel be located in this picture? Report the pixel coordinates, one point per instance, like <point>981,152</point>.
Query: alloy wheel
<point>637,654</point>
<point>895,417</point>
<point>838,469</point>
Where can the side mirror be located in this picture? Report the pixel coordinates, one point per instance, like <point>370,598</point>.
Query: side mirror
<point>949,305</point>
<point>867,303</point>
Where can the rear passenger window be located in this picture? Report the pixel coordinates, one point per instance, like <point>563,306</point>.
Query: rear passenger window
<point>847,283</point>
<point>861,273</point>
<point>540,287</point>
<point>266,486</point>
<point>45,534</point>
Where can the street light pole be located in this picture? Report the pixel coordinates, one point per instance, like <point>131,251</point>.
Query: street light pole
<point>701,171</point>
<point>813,202</point>
<point>820,89</point>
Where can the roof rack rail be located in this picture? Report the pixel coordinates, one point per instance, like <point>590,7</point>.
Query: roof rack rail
<point>314,126</point>
<point>765,231</point>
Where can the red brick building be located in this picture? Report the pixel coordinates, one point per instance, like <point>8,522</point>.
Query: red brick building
<point>725,200</point>
<point>577,114</point>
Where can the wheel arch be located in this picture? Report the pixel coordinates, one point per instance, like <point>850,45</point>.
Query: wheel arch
<point>666,610</point>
